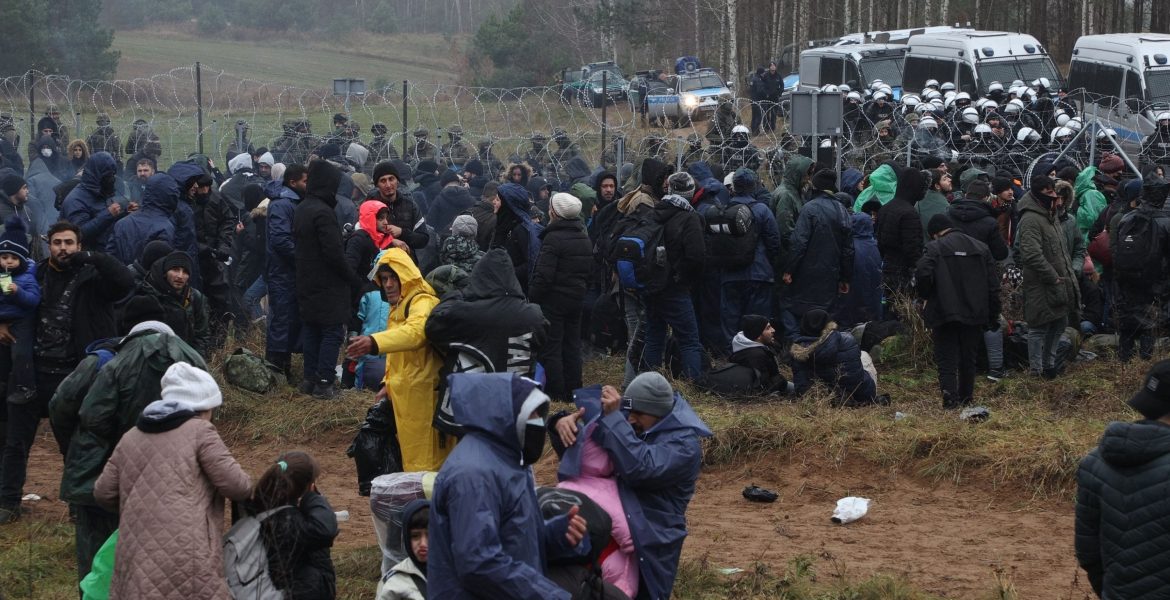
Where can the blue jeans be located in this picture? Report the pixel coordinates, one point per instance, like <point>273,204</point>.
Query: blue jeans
<point>252,297</point>
<point>322,345</point>
<point>673,308</point>
<point>1043,339</point>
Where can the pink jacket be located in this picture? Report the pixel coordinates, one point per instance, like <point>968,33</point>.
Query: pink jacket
<point>597,482</point>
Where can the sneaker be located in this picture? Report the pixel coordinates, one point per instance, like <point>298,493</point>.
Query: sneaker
<point>9,514</point>
<point>1050,373</point>
<point>996,375</point>
<point>324,390</point>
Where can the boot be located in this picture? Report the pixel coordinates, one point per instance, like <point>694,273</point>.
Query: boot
<point>283,362</point>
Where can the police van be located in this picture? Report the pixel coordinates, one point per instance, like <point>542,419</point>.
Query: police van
<point>1123,79</point>
<point>854,65</point>
<point>973,59</point>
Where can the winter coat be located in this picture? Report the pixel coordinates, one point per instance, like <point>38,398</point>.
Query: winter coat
<point>452,201</point>
<point>1122,514</point>
<point>974,218</point>
<point>899,236</point>
<point>563,265</point>
<point>834,358</point>
<point>863,303</point>
<point>405,214</point>
<point>789,196</point>
<point>516,233</point>
<point>345,210</point>
<point>487,537</point>
<point>1074,242</point>
<point>86,206</point>
<point>934,203</point>
<point>399,582</point>
<point>1043,260</point>
<point>173,482</point>
<point>185,310</point>
<point>712,188</point>
<point>297,541</point>
<point>768,247</point>
<point>412,366</point>
<point>152,221</point>
<point>42,199</point>
<point>280,272</point>
<point>656,474</point>
<point>821,255</point>
<point>250,247</point>
<point>485,219</point>
<point>754,355</point>
<point>958,279</point>
<point>363,246</point>
<point>883,183</point>
<point>324,278</point>
<point>592,475</point>
<point>62,339</point>
<point>37,247</point>
<point>24,301</point>
<point>1090,201</point>
<point>460,251</point>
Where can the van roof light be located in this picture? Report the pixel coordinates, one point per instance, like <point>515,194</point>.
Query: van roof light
<point>1160,59</point>
<point>1029,48</point>
<point>988,51</point>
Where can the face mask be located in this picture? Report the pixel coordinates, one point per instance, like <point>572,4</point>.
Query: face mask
<point>534,434</point>
<point>107,187</point>
<point>47,152</point>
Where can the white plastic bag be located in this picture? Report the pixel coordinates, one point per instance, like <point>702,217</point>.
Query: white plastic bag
<point>389,494</point>
<point>850,509</point>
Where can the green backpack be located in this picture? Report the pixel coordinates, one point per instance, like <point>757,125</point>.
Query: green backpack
<point>245,370</point>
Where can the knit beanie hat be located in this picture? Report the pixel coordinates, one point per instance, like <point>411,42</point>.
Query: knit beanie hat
<point>813,322</point>
<point>649,393</point>
<point>753,326</point>
<point>141,308</point>
<point>743,181</point>
<point>566,206</point>
<point>191,387</point>
<point>11,184</point>
<point>153,251</point>
<point>14,240</point>
<point>1000,185</point>
<point>824,180</point>
<point>464,226</point>
<point>176,259</point>
<point>938,224</point>
<point>383,169</point>
<point>474,166</point>
<point>448,177</point>
<point>682,184</point>
<point>1111,163</point>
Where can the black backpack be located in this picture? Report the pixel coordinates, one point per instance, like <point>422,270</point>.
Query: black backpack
<point>638,253</point>
<point>555,502</point>
<point>1137,256</point>
<point>731,236</point>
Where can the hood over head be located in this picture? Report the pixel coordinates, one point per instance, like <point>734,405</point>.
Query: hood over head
<point>862,226</point>
<point>242,163</point>
<point>162,192</point>
<point>654,174</point>
<point>357,154</point>
<point>324,178</point>
<point>183,172</point>
<point>969,210</point>
<point>408,274</point>
<point>496,405</point>
<point>99,166</point>
<point>911,186</point>
<point>796,170</point>
<point>368,222</point>
<point>494,276</point>
<point>408,512</point>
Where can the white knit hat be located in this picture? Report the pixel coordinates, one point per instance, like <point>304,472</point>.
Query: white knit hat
<point>191,386</point>
<point>567,206</point>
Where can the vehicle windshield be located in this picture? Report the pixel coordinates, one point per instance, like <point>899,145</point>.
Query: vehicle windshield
<point>1158,86</point>
<point>613,71</point>
<point>886,68</point>
<point>706,80</point>
<point>611,79</point>
<point>1027,71</point>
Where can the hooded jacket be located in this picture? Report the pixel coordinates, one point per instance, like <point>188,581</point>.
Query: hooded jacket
<point>710,188</point>
<point>22,303</point>
<point>185,309</point>
<point>1044,260</point>
<point>405,214</point>
<point>933,203</point>
<point>450,203</point>
<point>516,232</point>
<point>1090,201</point>
<point>399,583</point>
<point>863,303</point>
<point>883,183</point>
<point>899,229</point>
<point>973,217</point>
<point>324,278</point>
<point>487,537</point>
<point>959,281</point>
<point>563,266</point>
<point>152,221</point>
<point>412,366</point>
<point>42,199</point>
<point>86,205</point>
<point>820,257</point>
<point>834,358</point>
<point>1122,513</point>
<point>769,246</point>
<point>788,197</point>
<point>656,474</point>
<point>186,228</point>
<point>362,247</point>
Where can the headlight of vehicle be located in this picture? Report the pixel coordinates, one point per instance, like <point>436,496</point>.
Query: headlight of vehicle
<point>597,90</point>
<point>690,100</point>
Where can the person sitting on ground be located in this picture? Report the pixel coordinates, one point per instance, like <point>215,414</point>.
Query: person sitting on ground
<point>1121,511</point>
<point>297,541</point>
<point>753,347</point>
<point>168,478</point>
<point>460,248</point>
<point>822,353</point>
<point>408,579</point>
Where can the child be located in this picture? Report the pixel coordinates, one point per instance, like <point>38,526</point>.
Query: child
<point>19,296</point>
<point>408,579</point>
<point>461,249</point>
<point>297,540</point>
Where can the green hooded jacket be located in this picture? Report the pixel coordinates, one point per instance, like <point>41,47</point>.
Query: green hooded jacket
<point>106,409</point>
<point>1050,284</point>
<point>1090,200</point>
<point>788,199</point>
<point>883,182</point>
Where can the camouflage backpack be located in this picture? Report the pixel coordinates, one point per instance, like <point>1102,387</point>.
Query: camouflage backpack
<point>245,370</point>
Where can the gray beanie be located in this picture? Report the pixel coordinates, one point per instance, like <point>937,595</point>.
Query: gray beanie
<point>465,226</point>
<point>649,393</point>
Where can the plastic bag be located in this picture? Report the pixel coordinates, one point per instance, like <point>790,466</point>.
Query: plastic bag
<point>96,585</point>
<point>375,448</point>
<point>389,494</point>
<point>850,509</point>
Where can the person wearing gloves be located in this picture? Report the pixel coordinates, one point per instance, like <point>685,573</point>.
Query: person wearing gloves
<point>167,478</point>
<point>487,537</point>
<point>652,435</point>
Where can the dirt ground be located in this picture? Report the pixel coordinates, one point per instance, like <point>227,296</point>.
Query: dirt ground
<point>947,540</point>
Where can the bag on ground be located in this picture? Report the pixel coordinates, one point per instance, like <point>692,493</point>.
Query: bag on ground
<point>245,370</point>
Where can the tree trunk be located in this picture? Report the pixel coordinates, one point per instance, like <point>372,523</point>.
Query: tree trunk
<point>733,48</point>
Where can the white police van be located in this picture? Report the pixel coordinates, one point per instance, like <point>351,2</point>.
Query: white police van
<point>1124,80</point>
<point>973,59</point>
<point>854,65</point>
<point>687,96</point>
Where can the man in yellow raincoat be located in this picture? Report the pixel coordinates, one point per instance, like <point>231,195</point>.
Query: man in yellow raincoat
<point>412,366</point>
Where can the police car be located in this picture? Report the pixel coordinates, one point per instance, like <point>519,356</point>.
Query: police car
<point>687,96</point>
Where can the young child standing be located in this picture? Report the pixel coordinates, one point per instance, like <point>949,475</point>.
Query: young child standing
<point>408,579</point>
<point>19,296</point>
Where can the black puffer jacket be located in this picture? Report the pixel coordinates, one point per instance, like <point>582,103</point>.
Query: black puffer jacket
<point>297,542</point>
<point>1123,514</point>
<point>324,277</point>
<point>974,218</point>
<point>563,265</point>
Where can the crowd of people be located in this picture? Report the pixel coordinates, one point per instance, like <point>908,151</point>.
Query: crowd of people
<point>469,292</point>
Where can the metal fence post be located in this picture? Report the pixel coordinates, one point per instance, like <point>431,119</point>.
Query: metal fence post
<point>604,103</point>
<point>32,111</point>
<point>199,103</point>
<point>405,91</point>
